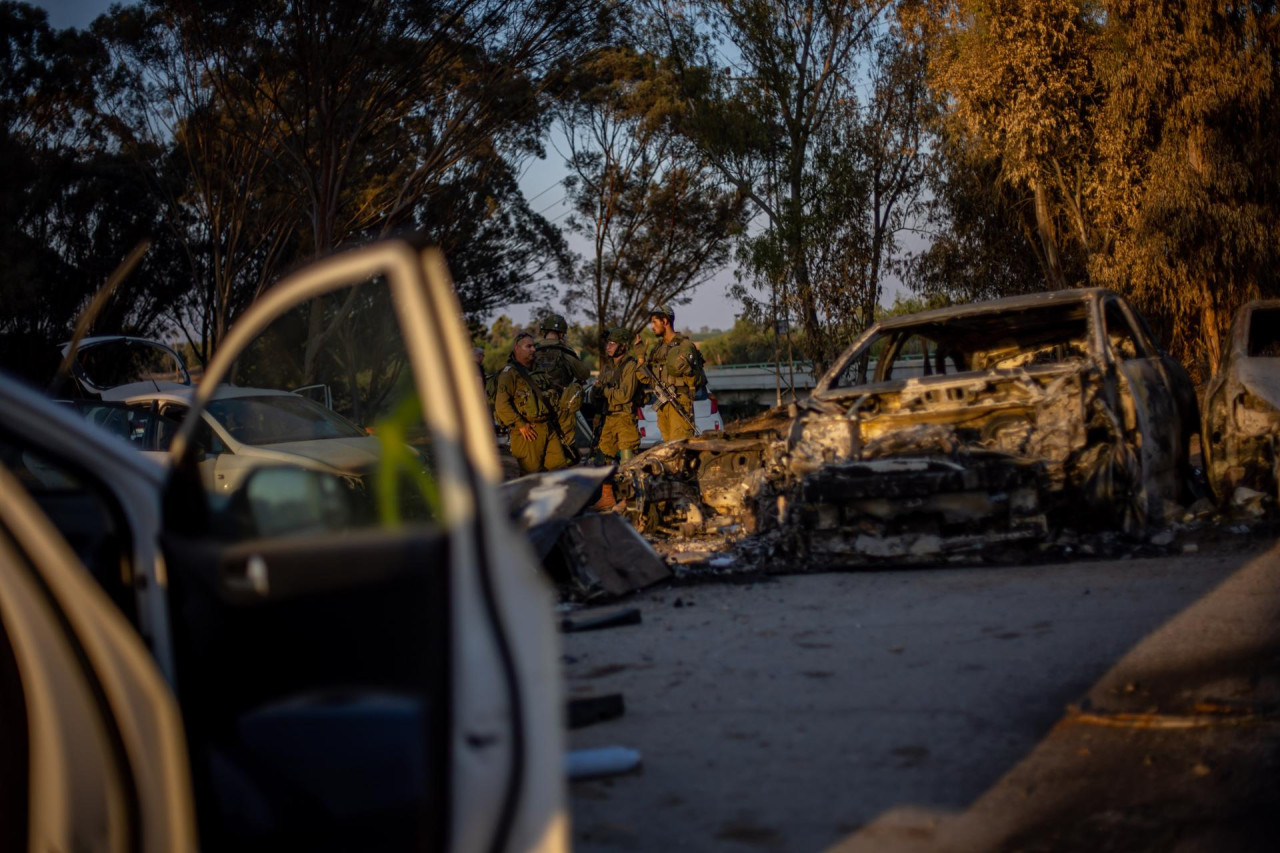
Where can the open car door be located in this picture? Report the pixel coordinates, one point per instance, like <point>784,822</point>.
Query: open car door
<point>92,755</point>
<point>365,652</point>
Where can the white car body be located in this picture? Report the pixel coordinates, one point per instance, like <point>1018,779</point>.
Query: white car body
<point>706,414</point>
<point>232,450</point>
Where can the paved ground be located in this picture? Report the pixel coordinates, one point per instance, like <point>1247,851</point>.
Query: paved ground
<point>923,710</point>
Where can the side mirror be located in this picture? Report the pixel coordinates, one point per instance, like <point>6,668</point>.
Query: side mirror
<point>285,501</point>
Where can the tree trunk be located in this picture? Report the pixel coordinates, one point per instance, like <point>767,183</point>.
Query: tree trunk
<point>799,266</point>
<point>1211,336</point>
<point>1048,240</point>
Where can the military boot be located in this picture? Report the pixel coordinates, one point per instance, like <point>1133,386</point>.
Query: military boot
<point>606,501</point>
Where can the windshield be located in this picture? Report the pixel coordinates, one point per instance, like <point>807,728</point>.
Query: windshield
<point>275,419</point>
<point>993,340</point>
<point>109,365</point>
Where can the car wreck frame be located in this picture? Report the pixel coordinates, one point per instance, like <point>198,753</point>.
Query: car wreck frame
<point>1028,414</point>
<point>1241,411</point>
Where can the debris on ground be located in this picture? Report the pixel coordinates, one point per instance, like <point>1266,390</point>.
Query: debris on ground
<point>600,620</point>
<point>587,711</point>
<point>603,761</point>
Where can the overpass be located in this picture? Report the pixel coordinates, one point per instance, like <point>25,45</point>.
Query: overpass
<point>760,383</point>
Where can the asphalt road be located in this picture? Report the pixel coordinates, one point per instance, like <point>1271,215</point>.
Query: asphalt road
<point>928,710</point>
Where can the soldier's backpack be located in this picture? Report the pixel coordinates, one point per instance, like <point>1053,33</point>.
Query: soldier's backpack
<point>549,368</point>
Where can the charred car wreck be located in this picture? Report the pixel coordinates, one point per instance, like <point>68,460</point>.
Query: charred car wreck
<point>941,433</point>
<point>1242,406</point>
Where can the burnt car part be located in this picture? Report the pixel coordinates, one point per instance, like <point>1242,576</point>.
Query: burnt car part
<point>939,433</point>
<point>1242,407</point>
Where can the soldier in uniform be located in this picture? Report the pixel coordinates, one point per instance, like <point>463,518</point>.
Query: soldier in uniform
<point>675,362</point>
<point>520,407</point>
<point>560,373</point>
<point>617,388</point>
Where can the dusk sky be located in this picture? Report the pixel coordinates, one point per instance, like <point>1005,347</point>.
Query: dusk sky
<point>72,13</point>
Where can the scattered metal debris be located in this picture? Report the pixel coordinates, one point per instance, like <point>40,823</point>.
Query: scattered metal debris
<point>592,553</point>
<point>604,554</point>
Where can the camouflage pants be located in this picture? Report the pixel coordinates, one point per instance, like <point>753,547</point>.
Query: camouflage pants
<point>672,425</point>
<point>618,433</point>
<point>544,453</point>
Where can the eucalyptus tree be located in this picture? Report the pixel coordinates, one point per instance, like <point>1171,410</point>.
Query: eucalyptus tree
<point>1138,138</point>
<point>815,117</point>
<point>1189,184</point>
<point>362,117</point>
<point>234,227</point>
<point>657,217</point>
<point>69,206</point>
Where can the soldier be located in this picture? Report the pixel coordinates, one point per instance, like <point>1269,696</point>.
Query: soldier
<point>676,363</point>
<point>521,408</point>
<point>617,384</point>
<point>560,374</point>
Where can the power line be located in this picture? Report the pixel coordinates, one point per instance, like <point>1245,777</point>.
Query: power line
<point>554,204</point>
<point>547,190</point>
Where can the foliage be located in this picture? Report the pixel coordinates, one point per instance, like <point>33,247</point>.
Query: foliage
<point>745,343</point>
<point>818,123</point>
<point>300,126</point>
<point>1135,143</point>
<point>658,221</point>
<point>69,206</point>
<point>1190,147</point>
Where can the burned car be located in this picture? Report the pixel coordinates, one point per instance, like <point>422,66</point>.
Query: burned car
<point>1242,405</point>
<point>941,433</point>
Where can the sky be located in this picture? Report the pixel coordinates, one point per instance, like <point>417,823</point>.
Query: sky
<point>710,306</point>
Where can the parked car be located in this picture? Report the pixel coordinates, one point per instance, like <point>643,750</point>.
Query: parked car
<point>706,414</point>
<point>313,678</point>
<point>241,429</point>
<point>1242,405</point>
<point>944,432</point>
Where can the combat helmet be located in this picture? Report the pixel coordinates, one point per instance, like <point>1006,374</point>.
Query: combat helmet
<point>663,310</point>
<point>554,323</point>
<point>619,335</point>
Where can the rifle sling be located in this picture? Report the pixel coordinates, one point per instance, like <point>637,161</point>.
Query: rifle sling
<point>554,413</point>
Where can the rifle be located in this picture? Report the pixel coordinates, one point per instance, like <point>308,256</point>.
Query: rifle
<point>596,421</point>
<point>667,396</point>
<point>568,442</point>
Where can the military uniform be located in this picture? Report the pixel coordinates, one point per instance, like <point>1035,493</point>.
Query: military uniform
<point>517,402</point>
<point>617,383</point>
<point>560,373</point>
<point>673,363</point>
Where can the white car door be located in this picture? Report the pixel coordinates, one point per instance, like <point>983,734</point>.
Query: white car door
<point>92,753</point>
<point>369,659</point>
